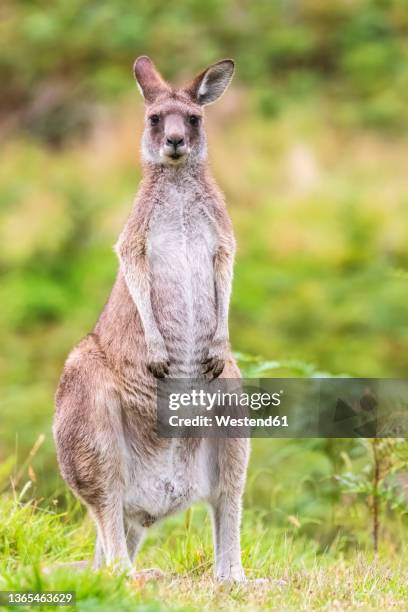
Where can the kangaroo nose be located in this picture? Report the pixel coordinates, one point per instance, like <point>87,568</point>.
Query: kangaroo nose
<point>175,141</point>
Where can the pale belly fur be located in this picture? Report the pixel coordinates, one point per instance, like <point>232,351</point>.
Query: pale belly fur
<point>172,482</point>
<point>181,247</point>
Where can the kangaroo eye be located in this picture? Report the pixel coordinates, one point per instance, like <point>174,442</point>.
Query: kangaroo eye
<point>154,119</point>
<point>194,120</point>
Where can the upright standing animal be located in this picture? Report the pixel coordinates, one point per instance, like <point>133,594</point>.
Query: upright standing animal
<point>167,315</point>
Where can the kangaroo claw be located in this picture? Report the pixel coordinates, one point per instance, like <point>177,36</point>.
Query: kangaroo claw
<point>214,366</point>
<point>159,369</point>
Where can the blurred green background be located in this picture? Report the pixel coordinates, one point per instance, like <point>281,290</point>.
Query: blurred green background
<point>310,147</point>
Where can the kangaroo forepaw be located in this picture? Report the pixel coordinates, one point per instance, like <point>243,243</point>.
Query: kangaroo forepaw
<point>214,366</point>
<point>159,369</point>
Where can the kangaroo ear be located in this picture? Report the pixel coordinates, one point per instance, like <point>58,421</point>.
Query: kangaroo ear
<point>148,78</point>
<point>211,84</point>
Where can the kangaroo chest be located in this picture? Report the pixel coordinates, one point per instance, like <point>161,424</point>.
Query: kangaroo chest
<point>181,230</point>
<point>181,244</point>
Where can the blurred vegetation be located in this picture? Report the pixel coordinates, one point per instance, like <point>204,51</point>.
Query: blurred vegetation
<point>59,58</point>
<point>309,146</point>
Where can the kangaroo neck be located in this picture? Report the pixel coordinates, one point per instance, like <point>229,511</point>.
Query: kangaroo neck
<point>175,174</point>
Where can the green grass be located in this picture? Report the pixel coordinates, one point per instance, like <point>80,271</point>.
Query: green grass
<point>300,577</point>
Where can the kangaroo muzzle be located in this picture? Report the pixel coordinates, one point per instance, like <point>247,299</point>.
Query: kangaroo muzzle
<point>174,145</point>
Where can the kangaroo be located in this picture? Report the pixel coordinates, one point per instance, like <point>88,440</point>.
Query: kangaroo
<point>167,316</point>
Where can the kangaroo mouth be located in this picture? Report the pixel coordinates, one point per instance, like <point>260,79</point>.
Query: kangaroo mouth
<point>175,157</point>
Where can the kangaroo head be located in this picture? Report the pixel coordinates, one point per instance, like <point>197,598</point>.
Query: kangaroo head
<point>174,130</point>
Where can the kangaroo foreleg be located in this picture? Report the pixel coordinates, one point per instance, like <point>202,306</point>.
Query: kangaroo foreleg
<point>135,267</point>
